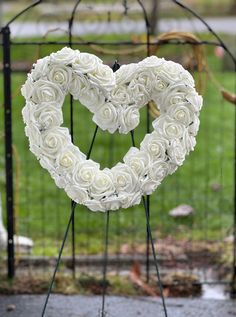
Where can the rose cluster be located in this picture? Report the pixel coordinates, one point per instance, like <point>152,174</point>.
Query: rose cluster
<point>115,100</point>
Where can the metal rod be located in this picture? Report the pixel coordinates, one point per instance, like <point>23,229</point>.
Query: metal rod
<point>105,259</point>
<point>58,260</point>
<point>8,151</point>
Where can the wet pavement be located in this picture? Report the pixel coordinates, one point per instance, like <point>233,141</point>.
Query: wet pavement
<point>89,306</point>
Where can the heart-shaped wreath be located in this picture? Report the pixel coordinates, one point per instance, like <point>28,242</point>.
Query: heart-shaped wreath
<point>115,100</point>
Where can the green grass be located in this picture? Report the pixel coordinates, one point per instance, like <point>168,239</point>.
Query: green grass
<point>43,210</point>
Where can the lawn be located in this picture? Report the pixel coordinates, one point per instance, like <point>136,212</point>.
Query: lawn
<point>205,181</point>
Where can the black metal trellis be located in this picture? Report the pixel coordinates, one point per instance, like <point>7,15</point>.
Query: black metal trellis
<point>7,44</point>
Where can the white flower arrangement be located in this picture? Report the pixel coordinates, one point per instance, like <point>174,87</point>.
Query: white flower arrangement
<point>115,100</point>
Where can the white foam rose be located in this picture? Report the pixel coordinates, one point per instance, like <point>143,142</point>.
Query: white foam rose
<point>181,113</point>
<point>188,142</point>
<point>102,185</point>
<point>120,96</point>
<point>111,203</point>
<point>151,62</point>
<point>76,193</point>
<point>94,205</point>
<point>137,160</point>
<point>155,146</point>
<point>124,178</point>
<point>28,88</point>
<point>139,93</point>
<point>128,119</point>
<point>44,115</point>
<point>146,78</point>
<point>125,73</point>
<point>168,128</point>
<point>128,200</point>
<point>40,69</point>
<point>106,117</point>
<point>84,173</point>
<point>194,126</point>
<point>46,91</point>
<point>65,56</point>
<point>78,86</point>
<point>60,75</point>
<point>195,100</point>
<point>92,98</point>
<point>156,173</point>
<point>53,141</point>
<point>103,77</point>
<point>67,160</point>
<point>86,63</point>
<point>176,152</point>
<point>171,71</point>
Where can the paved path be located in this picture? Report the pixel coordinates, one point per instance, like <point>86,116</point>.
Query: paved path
<point>85,306</point>
<point>28,29</point>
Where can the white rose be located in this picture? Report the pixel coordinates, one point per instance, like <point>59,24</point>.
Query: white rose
<point>195,100</point>
<point>94,205</point>
<point>151,61</point>
<point>92,98</point>
<point>146,78</point>
<point>131,199</point>
<point>187,78</point>
<point>76,193</point>
<point>148,186</point>
<point>102,185</point>
<point>157,172</point>
<point>120,96</point>
<point>106,117</point>
<point>34,135</point>
<point>176,152</point>
<point>171,71</point>
<point>79,85</point>
<point>139,93</point>
<point>111,203</point>
<point>188,142</point>
<point>65,56</point>
<point>174,95</point>
<point>155,146</point>
<point>125,73</point>
<point>67,160</point>
<point>160,84</point>
<point>60,75</point>
<point>125,180</point>
<point>52,141</point>
<point>40,69</point>
<point>128,119</point>
<point>84,173</point>
<point>44,115</point>
<point>137,160</point>
<point>168,127</point>
<point>46,91</point>
<point>181,113</point>
<point>28,88</point>
<point>194,126</point>
<point>59,180</point>
<point>103,77</point>
<point>86,63</point>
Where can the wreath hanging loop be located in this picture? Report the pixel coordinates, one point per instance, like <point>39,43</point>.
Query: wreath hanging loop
<point>115,100</point>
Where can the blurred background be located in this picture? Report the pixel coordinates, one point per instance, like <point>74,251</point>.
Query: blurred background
<point>192,213</point>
